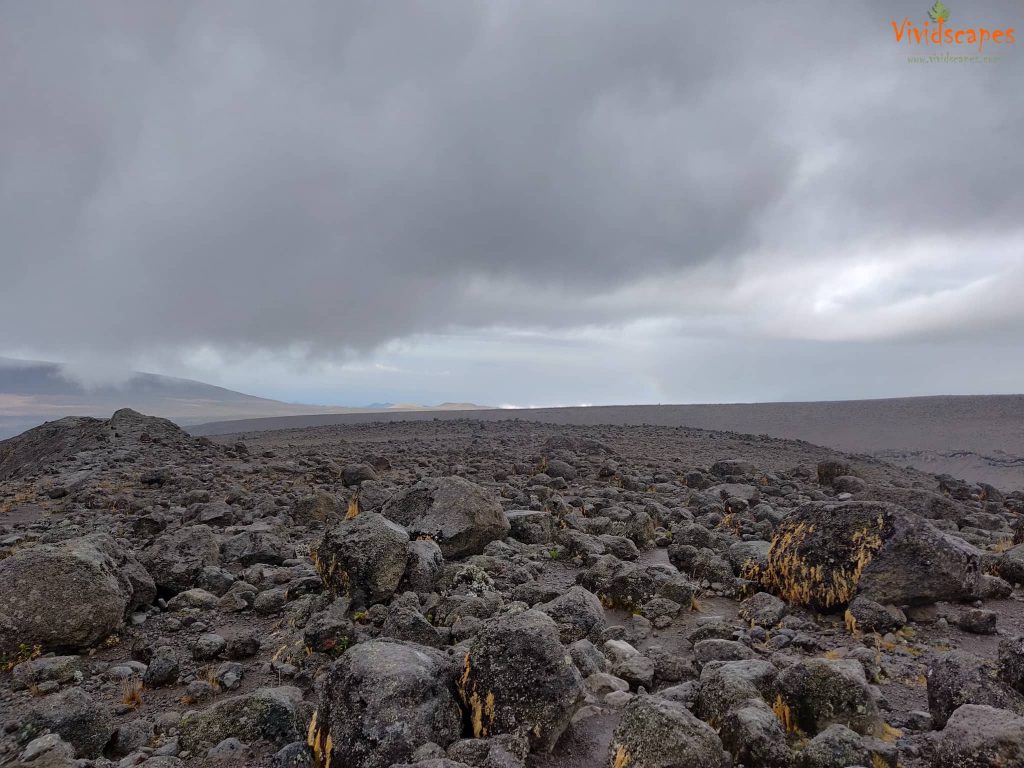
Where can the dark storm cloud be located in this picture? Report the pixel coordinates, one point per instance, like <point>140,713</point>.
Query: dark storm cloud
<point>341,174</point>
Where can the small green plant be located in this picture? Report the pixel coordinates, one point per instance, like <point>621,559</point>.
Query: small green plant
<point>359,617</point>
<point>554,553</point>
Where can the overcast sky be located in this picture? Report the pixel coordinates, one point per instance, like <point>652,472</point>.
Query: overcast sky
<point>513,202</point>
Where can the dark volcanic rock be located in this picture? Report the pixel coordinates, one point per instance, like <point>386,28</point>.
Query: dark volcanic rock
<point>518,678</point>
<point>822,692</point>
<point>382,700</point>
<point>266,713</point>
<point>460,516</point>
<point>978,736</point>
<point>959,678</point>
<point>658,733</point>
<point>76,717</point>
<point>363,558</point>
<point>67,595</point>
<point>177,559</point>
<point>825,554</point>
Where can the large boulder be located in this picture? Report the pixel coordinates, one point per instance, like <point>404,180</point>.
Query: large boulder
<point>578,614</point>
<point>73,715</point>
<point>658,733</point>
<point>927,504</point>
<point>835,747</point>
<point>731,684</point>
<point>630,585</point>
<point>978,736</point>
<point>266,714</point>
<point>69,595</point>
<point>459,515</point>
<point>817,693</point>
<point>959,678</point>
<point>518,678</point>
<point>177,559</point>
<point>363,558</point>
<point>825,554</point>
<point>754,736</point>
<point>381,701</point>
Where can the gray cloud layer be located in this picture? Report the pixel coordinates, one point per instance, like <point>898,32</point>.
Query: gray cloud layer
<point>339,175</point>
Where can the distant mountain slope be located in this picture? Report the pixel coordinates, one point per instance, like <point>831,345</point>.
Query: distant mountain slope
<point>979,438</point>
<point>33,392</point>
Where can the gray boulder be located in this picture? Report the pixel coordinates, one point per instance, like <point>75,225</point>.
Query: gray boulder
<point>725,685</point>
<point>821,692</point>
<point>518,678</point>
<point>578,614</point>
<point>461,516</point>
<point>531,526</point>
<point>753,735</point>
<point>823,555</point>
<point>630,585</point>
<point>177,559</point>
<point>835,747</point>
<point>267,714</point>
<point>256,546</point>
<point>363,558</point>
<point>658,733</point>
<point>381,701</point>
<point>959,678</point>
<point>978,736</point>
<point>69,595</point>
<point>73,715</point>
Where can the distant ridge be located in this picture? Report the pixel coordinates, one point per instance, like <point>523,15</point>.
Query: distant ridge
<point>32,392</point>
<point>978,437</point>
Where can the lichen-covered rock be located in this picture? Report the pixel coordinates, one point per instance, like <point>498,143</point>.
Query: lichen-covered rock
<point>868,616</point>
<point>381,701</point>
<point>177,559</point>
<point>763,610</point>
<point>824,555</point>
<point>531,526</point>
<point>658,733</point>
<point>578,614</point>
<point>978,736</point>
<point>753,735</point>
<point>627,585</point>
<point>75,716</point>
<point>959,678</point>
<point>363,558</point>
<point>69,595</point>
<point>461,516</point>
<point>835,747</point>
<point>518,678</point>
<point>267,714</point>
<point>725,685</point>
<point>816,693</point>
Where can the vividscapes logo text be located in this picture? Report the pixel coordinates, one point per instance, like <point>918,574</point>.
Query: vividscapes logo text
<point>938,31</point>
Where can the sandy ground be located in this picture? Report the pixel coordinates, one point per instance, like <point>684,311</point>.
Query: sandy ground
<point>977,438</point>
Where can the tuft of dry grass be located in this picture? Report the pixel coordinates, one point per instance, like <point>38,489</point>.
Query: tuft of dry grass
<point>353,507</point>
<point>131,693</point>
<point>796,579</point>
<point>785,715</point>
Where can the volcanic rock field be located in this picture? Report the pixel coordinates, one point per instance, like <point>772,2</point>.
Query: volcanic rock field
<point>465,593</point>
